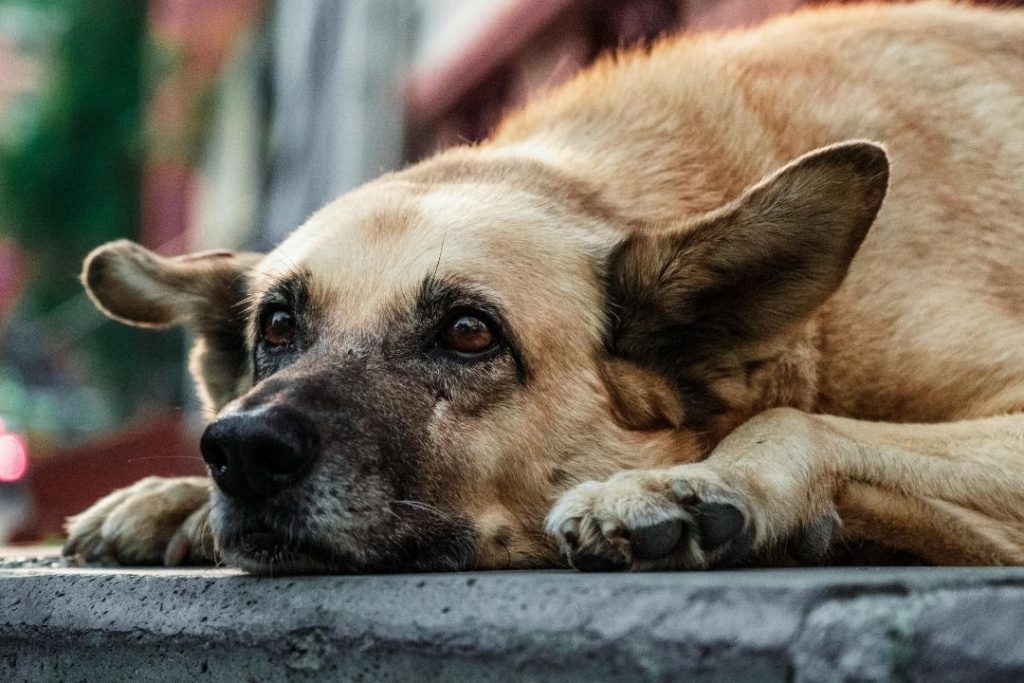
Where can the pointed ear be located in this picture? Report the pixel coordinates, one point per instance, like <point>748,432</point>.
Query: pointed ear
<point>750,270</point>
<point>200,291</point>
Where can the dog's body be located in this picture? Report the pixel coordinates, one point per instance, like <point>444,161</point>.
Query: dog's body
<point>647,321</point>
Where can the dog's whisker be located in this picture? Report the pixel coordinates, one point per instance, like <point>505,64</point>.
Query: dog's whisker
<point>425,507</point>
<point>205,527</point>
<point>440,253</point>
<point>504,546</point>
<point>165,457</point>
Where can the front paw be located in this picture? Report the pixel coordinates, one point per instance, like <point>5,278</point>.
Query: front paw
<point>156,521</point>
<point>687,517</point>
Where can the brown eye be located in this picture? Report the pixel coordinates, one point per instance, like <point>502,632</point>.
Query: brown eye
<point>467,334</point>
<point>279,328</point>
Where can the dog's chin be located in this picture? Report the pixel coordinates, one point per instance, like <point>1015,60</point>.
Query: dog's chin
<point>265,552</point>
<point>268,544</point>
<point>269,553</point>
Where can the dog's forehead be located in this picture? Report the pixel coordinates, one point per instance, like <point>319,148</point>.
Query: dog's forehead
<point>374,248</point>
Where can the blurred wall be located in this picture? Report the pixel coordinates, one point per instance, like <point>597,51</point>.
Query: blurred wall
<point>336,115</point>
<point>357,87</point>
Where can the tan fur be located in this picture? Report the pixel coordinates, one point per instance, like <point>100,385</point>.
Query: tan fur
<point>926,327</point>
<point>154,521</point>
<point>199,291</point>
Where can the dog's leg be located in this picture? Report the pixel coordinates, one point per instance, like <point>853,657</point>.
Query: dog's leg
<point>154,521</point>
<point>948,493</point>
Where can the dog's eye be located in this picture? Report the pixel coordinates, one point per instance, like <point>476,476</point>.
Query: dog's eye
<point>467,334</point>
<point>279,328</point>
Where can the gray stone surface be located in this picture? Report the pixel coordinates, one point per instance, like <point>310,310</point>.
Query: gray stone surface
<point>917,624</point>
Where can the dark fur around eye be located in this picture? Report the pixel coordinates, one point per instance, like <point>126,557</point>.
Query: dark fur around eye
<point>283,328</point>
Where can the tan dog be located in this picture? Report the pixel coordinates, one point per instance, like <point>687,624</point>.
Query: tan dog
<point>629,330</point>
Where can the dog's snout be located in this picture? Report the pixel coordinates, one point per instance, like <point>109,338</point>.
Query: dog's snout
<point>256,454</point>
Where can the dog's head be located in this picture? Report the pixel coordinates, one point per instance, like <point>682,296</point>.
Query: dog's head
<point>412,378</point>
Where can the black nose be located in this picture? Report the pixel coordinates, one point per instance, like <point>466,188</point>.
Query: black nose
<point>256,454</point>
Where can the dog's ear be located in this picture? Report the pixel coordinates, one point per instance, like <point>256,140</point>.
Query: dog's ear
<point>748,271</point>
<point>138,287</point>
<point>200,291</point>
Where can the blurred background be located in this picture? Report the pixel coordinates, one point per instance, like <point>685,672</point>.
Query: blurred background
<point>193,124</point>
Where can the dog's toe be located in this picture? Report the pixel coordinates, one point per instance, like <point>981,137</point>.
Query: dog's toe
<point>593,545</point>
<point>102,552</point>
<point>650,520</point>
<point>155,521</point>
<point>192,543</point>
<point>70,547</point>
<point>570,531</point>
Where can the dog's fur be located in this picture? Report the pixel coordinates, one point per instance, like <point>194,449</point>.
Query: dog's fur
<point>697,370</point>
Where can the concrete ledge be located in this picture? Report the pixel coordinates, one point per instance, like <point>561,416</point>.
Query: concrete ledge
<point>780,625</point>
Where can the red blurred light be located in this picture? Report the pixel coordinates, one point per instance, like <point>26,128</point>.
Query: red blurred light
<point>13,458</point>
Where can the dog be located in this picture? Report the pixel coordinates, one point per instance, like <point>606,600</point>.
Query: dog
<point>735,299</point>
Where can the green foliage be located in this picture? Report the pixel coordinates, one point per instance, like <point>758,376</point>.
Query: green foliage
<point>72,180</point>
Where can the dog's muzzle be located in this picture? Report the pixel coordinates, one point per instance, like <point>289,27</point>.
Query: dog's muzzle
<point>256,454</point>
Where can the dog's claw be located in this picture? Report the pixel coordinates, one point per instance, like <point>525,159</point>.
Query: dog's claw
<point>684,492</point>
<point>570,530</point>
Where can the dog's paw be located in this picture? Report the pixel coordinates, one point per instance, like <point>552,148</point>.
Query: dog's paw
<point>156,521</point>
<point>686,517</point>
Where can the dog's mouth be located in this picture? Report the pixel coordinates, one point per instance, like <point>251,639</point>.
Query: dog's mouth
<point>268,551</point>
<point>265,552</point>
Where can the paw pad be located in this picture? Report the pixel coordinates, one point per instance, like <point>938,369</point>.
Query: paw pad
<point>719,523</point>
<point>657,540</point>
<point>592,562</point>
